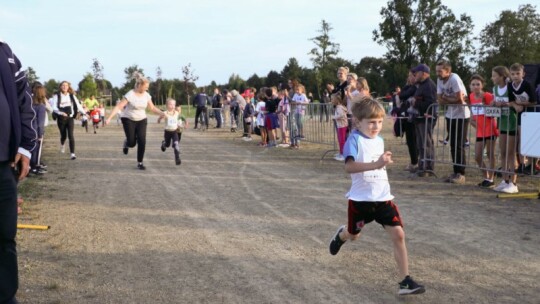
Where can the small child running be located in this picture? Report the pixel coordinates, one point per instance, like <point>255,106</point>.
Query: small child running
<point>369,197</point>
<point>95,114</point>
<point>172,123</point>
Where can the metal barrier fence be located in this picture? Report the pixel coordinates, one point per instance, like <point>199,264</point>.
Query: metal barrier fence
<point>488,140</point>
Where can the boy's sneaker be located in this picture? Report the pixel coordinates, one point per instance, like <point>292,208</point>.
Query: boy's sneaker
<point>409,286</point>
<point>336,242</point>
<point>486,184</point>
<point>510,188</point>
<point>458,179</point>
<point>125,148</point>
<point>73,156</point>
<point>43,165</point>
<point>63,148</point>
<point>140,166</point>
<point>500,186</point>
<point>163,148</point>
<point>178,161</point>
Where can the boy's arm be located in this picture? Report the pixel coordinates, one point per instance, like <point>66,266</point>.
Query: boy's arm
<point>352,166</point>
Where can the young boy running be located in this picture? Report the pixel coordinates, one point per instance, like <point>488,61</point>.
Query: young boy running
<point>172,123</point>
<point>369,197</point>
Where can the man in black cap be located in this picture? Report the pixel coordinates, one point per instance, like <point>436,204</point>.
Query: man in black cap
<point>426,118</point>
<point>17,140</point>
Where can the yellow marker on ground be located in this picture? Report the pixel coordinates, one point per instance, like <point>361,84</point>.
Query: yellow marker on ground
<point>34,227</point>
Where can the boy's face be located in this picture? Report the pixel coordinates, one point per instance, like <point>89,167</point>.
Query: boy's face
<point>170,106</point>
<point>517,76</point>
<point>370,127</point>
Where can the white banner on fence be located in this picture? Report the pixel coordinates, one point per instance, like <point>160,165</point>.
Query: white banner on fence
<point>530,134</point>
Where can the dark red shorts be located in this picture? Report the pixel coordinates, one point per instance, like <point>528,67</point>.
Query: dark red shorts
<point>361,213</point>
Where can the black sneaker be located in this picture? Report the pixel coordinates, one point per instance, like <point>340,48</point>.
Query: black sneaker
<point>43,166</point>
<point>140,166</point>
<point>486,184</point>
<point>163,148</point>
<point>178,161</point>
<point>125,148</point>
<point>409,286</point>
<point>336,242</point>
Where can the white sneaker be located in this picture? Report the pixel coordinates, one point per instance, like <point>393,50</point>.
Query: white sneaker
<point>73,156</point>
<point>500,186</point>
<point>510,188</point>
<point>63,148</point>
<point>339,157</point>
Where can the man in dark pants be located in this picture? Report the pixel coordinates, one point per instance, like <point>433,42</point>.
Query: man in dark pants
<point>426,118</point>
<point>200,100</point>
<point>17,140</point>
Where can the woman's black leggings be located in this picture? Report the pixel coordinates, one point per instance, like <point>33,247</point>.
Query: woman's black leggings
<point>136,135</point>
<point>65,125</point>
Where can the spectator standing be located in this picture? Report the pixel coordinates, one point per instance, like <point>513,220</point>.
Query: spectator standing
<point>451,93</point>
<point>507,123</point>
<point>200,100</point>
<point>425,118</point>
<point>406,97</point>
<point>17,140</point>
<point>217,107</point>
<point>486,129</point>
<point>39,99</point>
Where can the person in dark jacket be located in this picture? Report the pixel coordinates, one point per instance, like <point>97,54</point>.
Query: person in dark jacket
<point>17,141</point>
<point>216,107</point>
<point>39,97</point>
<point>200,100</point>
<point>406,96</point>
<point>425,118</point>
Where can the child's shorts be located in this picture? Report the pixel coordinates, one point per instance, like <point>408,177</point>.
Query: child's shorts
<point>361,213</point>
<point>271,121</point>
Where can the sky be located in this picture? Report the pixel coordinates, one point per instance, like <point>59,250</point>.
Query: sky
<point>60,38</point>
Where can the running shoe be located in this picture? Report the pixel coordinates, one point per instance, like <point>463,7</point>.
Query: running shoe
<point>486,184</point>
<point>125,148</point>
<point>73,156</point>
<point>140,166</point>
<point>336,242</point>
<point>163,148</point>
<point>408,286</point>
<point>500,186</point>
<point>510,188</point>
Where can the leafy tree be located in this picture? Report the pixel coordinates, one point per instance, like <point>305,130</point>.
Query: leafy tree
<point>31,75</point>
<point>323,54</point>
<point>236,83</point>
<point>291,70</point>
<point>189,78</point>
<point>52,86</point>
<point>255,81</point>
<point>273,79</point>
<point>423,31</point>
<point>513,37</point>
<point>87,86</point>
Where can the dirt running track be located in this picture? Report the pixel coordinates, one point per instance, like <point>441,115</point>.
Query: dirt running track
<point>240,224</point>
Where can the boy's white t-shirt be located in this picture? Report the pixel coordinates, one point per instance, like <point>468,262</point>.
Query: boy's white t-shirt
<point>453,85</point>
<point>136,107</point>
<point>369,186</point>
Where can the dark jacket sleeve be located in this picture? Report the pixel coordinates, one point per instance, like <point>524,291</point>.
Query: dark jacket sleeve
<point>28,133</point>
<point>20,102</point>
<point>408,91</point>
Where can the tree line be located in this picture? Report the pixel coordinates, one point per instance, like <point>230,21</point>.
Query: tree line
<point>412,31</point>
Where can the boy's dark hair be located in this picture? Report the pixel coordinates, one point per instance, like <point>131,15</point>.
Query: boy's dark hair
<point>268,92</point>
<point>477,77</point>
<point>517,67</point>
